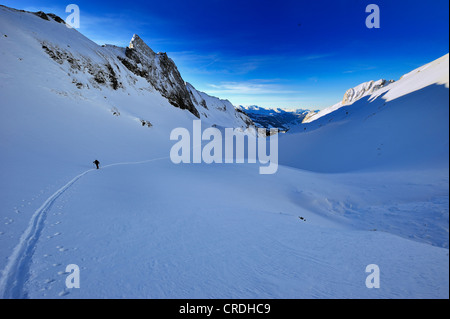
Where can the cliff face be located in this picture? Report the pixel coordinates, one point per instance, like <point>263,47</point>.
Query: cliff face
<point>160,71</point>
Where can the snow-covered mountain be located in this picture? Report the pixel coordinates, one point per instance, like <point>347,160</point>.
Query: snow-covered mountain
<point>350,96</point>
<point>95,68</point>
<point>218,111</point>
<point>280,118</point>
<point>400,124</point>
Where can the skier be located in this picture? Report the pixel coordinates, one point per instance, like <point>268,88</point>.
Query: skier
<point>96,163</point>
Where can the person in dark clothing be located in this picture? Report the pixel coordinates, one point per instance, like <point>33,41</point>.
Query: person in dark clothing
<point>96,163</point>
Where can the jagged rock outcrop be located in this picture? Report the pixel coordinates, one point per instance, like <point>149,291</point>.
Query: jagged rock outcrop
<point>160,71</point>
<point>363,89</point>
<point>47,16</point>
<point>309,115</point>
<point>350,96</point>
<point>101,74</point>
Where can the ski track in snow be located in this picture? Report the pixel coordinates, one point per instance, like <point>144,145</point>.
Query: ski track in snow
<point>16,271</point>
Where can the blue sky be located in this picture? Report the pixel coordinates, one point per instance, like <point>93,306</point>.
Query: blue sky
<point>284,53</point>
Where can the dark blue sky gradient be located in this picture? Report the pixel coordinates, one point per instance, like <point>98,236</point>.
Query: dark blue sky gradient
<point>286,53</point>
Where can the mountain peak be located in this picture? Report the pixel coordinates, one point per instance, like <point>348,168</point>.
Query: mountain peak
<point>138,44</point>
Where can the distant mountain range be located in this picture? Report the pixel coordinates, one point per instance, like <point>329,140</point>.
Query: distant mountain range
<point>285,119</point>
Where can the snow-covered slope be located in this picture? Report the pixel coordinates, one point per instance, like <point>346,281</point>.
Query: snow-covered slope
<point>397,135</point>
<point>400,125</point>
<point>224,233</point>
<point>217,111</point>
<point>66,100</point>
